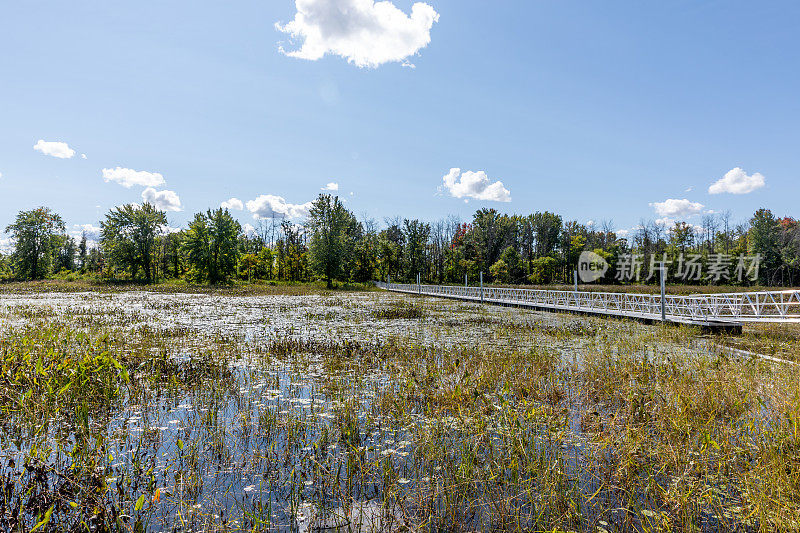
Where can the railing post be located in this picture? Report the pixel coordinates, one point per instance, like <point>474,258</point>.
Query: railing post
<point>466,282</point>
<point>419,284</point>
<point>663,293</point>
<point>481,286</point>
<point>575,279</point>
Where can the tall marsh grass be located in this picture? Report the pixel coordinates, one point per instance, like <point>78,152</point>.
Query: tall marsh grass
<point>116,423</point>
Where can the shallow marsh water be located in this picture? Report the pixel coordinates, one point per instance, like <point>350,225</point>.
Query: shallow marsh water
<point>304,412</point>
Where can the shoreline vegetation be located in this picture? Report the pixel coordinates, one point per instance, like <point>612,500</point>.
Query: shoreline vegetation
<point>242,288</point>
<point>89,283</point>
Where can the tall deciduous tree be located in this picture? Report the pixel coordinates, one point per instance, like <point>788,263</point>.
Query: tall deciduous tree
<point>546,229</point>
<point>212,245</point>
<point>328,223</point>
<point>416,235</point>
<point>129,236</point>
<point>83,251</point>
<point>765,241</point>
<point>390,251</point>
<point>35,234</point>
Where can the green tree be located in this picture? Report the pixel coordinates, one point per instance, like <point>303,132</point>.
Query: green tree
<point>65,252</point>
<point>790,250</point>
<point>390,251</point>
<point>36,235</point>
<point>128,237</point>
<point>224,231</point>
<point>248,265</point>
<point>266,262</point>
<point>212,246</point>
<point>546,229</point>
<point>172,258</point>
<point>543,270</point>
<point>295,257</point>
<point>328,222</point>
<point>491,233</point>
<point>681,237</point>
<point>95,260</point>
<point>5,268</point>
<point>514,265</point>
<point>365,257</point>
<point>499,271</point>
<point>83,251</point>
<point>197,248</point>
<point>765,241</point>
<point>416,235</point>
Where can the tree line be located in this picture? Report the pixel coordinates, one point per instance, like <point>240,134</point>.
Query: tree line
<point>136,243</point>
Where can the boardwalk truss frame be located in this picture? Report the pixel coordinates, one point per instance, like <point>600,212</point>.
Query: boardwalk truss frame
<point>730,308</point>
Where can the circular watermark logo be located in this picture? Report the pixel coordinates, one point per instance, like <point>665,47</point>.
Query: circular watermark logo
<point>591,267</point>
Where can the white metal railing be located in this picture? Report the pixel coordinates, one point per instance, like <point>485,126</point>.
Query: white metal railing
<point>764,306</point>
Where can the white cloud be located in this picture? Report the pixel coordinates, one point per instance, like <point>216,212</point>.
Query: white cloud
<point>92,234</point>
<point>365,32</point>
<point>83,156</point>
<point>164,200</point>
<point>269,206</point>
<point>92,231</point>
<point>475,185</point>
<point>622,233</point>
<point>332,186</point>
<point>57,149</point>
<point>128,177</point>
<point>736,181</point>
<point>1,174</point>
<point>248,229</point>
<point>6,245</point>
<point>232,204</point>
<point>673,208</point>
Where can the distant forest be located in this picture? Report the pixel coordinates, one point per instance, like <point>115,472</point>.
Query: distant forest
<point>135,243</point>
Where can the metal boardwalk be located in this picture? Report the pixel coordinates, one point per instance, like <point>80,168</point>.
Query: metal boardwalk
<point>726,311</point>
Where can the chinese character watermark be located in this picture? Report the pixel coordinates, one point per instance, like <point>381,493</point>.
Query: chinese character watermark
<point>716,268</point>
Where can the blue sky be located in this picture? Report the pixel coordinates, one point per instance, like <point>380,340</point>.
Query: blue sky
<point>594,110</point>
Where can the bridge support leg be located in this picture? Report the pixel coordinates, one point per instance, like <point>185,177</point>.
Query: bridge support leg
<point>722,329</point>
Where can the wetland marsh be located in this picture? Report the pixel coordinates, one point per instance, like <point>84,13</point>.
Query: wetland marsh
<point>368,411</point>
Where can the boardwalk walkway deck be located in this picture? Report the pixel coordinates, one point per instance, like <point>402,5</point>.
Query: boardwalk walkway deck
<point>725,312</point>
